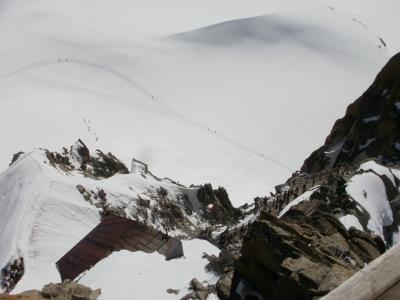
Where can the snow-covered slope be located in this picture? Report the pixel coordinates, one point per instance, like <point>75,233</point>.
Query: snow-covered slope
<point>148,276</point>
<point>41,218</point>
<point>379,17</point>
<point>219,91</point>
<point>47,207</point>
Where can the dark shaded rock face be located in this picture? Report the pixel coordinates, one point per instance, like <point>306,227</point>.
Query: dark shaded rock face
<point>370,127</point>
<point>223,266</point>
<point>308,252</point>
<point>216,205</point>
<point>15,157</point>
<point>303,255</point>
<point>199,291</point>
<point>11,274</point>
<point>100,165</point>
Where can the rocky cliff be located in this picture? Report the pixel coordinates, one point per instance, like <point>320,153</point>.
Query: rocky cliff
<point>338,213</point>
<point>369,129</point>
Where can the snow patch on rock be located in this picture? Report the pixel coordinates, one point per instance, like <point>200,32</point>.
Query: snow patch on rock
<point>303,197</point>
<point>351,221</point>
<point>378,169</point>
<point>369,191</point>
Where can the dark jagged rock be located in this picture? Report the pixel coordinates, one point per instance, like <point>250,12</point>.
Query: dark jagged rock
<point>224,285</point>
<point>173,291</point>
<point>60,160</point>
<point>334,196</point>
<point>83,152</point>
<point>216,205</point>
<point>15,157</point>
<point>222,263</point>
<point>199,291</point>
<point>11,274</point>
<point>169,214</point>
<point>303,255</point>
<point>370,127</point>
<point>107,165</point>
<point>81,189</point>
<point>100,165</point>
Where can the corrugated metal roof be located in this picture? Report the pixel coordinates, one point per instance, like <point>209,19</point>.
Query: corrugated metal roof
<point>114,234</point>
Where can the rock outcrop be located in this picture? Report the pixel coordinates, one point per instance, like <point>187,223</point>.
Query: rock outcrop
<point>78,157</point>
<point>199,291</point>
<point>11,273</point>
<point>170,211</point>
<point>216,205</point>
<point>370,127</point>
<point>68,290</point>
<point>304,255</point>
<point>307,251</point>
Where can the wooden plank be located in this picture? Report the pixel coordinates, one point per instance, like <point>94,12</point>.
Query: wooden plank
<point>392,293</point>
<point>373,280</point>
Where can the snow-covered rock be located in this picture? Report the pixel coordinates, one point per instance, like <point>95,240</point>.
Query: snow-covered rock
<point>372,193</point>
<point>50,201</point>
<point>375,190</point>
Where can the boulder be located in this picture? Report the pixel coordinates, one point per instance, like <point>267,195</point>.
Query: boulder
<point>304,255</point>
<point>68,290</point>
<point>199,291</point>
<point>224,285</point>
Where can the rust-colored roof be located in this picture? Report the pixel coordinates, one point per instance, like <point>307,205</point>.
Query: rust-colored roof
<point>114,234</point>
